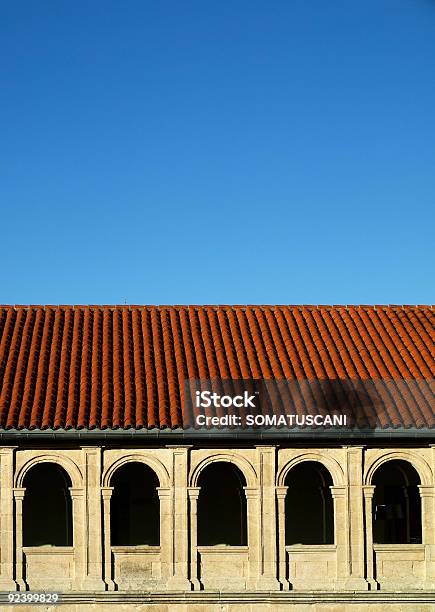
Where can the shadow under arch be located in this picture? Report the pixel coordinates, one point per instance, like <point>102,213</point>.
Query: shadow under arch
<point>47,506</point>
<point>397,517</point>
<point>222,506</point>
<point>135,506</point>
<point>309,508</point>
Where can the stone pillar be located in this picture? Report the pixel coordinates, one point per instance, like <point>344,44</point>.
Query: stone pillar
<point>92,520</point>
<point>179,569</point>
<point>368,491</point>
<point>7,582</point>
<point>341,534</point>
<point>253,513</point>
<point>281,494</point>
<point>165,532</point>
<point>354,525</point>
<point>19,556</point>
<point>106,494</point>
<point>79,536</point>
<point>427,494</point>
<point>193,505</point>
<point>266,461</point>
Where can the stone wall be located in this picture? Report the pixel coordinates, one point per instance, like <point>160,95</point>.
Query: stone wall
<point>352,564</point>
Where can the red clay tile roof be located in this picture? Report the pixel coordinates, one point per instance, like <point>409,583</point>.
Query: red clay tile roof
<point>64,367</point>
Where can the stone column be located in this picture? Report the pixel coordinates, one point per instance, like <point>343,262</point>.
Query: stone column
<point>7,582</point>
<point>368,491</point>
<point>427,494</point>
<point>106,494</point>
<point>193,505</point>
<point>253,513</point>
<point>281,494</point>
<point>179,569</point>
<point>92,520</point>
<point>341,534</point>
<point>165,532</point>
<point>355,518</point>
<point>79,536</point>
<point>266,461</point>
<point>19,556</point>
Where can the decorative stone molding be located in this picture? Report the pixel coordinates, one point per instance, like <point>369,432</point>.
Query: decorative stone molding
<point>61,459</point>
<point>414,458</point>
<point>137,457</point>
<point>331,464</point>
<point>239,461</point>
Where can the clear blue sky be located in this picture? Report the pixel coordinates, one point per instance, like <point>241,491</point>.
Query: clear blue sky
<point>275,151</point>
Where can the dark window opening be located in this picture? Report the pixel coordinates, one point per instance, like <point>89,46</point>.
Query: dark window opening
<point>222,506</point>
<point>47,507</point>
<point>396,504</point>
<point>309,511</point>
<point>135,507</point>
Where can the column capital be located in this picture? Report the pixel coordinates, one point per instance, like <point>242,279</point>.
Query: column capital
<point>251,492</point>
<point>281,492</point>
<point>368,491</point>
<point>6,450</point>
<point>426,490</point>
<point>106,492</point>
<point>76,492</point>
<point>338,490</point>
<point>193,492</point>
<point>19,492</point>
<point>163,492</point>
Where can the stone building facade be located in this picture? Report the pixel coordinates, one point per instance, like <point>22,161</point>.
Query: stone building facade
<point>163,518</point>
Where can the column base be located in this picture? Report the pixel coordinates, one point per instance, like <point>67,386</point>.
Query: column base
<point>93,584</point>
<point>196,584</point>
<point>177,583</point>
<point>21,584</point>
<point>268,583</point>
<point>8,584</point>
<point>353,584</point>
<point>110,585</point>
<point>373,584</point>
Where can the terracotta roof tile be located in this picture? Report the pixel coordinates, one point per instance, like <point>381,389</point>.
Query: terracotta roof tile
<point>85,367</point>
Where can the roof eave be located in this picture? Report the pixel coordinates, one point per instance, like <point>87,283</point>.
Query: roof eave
<point>216,434</point>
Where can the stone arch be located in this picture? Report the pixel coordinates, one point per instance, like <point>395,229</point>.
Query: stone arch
<point>154,464</point>
<point>70,467</point>
<point>243,464</point>
<point>333,467</point>
<point>418,463</point>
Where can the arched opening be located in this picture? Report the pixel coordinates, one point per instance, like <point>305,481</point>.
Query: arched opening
<point>222,506</point>
<point>47,506</point>
<point>309,510</point>
<point>135,507</point>
<point>396,504</point>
